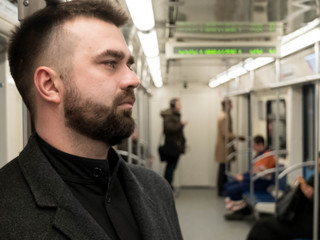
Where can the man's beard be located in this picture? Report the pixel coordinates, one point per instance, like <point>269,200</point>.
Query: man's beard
<point>97,121</point>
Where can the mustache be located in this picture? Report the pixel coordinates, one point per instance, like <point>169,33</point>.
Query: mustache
<point>128,94</point>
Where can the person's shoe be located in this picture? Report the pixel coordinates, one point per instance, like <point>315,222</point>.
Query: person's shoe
<point>237,215</point>
<point>246,211</point>
<point>221,194</point>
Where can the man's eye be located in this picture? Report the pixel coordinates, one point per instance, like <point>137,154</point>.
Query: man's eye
<point>110,63</point>
<point>130,66</point>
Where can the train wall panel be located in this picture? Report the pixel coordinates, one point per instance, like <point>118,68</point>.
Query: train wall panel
<point>297,65</point>
<point>200,108</point>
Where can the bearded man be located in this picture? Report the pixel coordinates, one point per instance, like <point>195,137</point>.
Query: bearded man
<point>72,67</point>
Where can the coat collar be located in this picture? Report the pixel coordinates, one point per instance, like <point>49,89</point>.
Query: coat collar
<point>49,190</point>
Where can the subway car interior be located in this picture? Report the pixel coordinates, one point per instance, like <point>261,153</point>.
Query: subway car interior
<point>263,56</point>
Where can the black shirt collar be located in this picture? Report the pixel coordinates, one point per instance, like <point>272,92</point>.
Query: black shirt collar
<point>80,169</point>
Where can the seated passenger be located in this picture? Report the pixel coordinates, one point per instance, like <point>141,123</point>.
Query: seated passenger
<point>301,225</point>
<point>241,183</point>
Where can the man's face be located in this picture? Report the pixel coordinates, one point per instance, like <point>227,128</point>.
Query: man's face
<point>98,97</point>
<point>178,105</point>
<point>257,147</point>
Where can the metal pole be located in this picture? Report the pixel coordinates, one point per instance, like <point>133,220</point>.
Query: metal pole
<point>277,63</point>
<point>148,139</point>
<point>237,129</point>
<point>250,109</point>
<point>316,140</point>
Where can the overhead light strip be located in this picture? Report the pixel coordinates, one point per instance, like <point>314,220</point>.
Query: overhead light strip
<point>141,12</point>
<point>143,18</point>
<point>290,44</point>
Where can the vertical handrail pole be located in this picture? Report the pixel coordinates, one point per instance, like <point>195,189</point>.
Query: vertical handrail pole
<point>316,174</point>
<point>278,72</point>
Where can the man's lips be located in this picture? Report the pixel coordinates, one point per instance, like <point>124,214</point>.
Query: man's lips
<point>128,102</point>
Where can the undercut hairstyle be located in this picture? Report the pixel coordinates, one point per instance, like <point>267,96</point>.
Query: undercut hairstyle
<point>258,140</point>
<point>41,41</point>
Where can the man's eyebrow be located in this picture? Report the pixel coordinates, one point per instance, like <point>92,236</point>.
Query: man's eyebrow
<point>119,55</point>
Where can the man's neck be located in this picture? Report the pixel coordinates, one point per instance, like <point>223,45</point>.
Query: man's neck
<point>76,144</point>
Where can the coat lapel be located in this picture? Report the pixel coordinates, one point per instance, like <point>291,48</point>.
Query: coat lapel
<point>144,209</point>
<point>74,221</point>
<point>50,191</point>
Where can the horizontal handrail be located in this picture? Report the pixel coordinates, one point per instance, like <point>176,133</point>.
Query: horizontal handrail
<point>295,167</point>
<point>231,155</point>
<point>268,154</point>
<point>267,171</point>
<point>230,144</point>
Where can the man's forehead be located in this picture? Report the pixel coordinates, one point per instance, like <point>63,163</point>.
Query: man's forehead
<point>78,25</point>
<point>89,30</point>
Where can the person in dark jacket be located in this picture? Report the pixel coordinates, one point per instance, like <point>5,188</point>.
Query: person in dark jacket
<point>73,68</point>
<point>174,137</point>
<point>301,226</point>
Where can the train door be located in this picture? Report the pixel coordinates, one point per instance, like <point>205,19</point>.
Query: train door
<point>271,124</point>
<point>308,112</point>
<point>200,110</point>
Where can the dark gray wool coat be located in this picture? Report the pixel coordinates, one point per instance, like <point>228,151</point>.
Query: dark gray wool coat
<point>35,203</point>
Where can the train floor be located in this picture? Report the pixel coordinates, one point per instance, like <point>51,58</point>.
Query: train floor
<point>201,215</point>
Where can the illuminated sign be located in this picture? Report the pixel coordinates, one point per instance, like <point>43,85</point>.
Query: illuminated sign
<point>226,27</point>
<point>227,30</point>
<point>228,49</point>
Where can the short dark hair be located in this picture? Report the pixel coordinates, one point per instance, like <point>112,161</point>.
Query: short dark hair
<point>172,102</point>
<point>224,102</point>
<point>31,44</point>
<point>258,139</point>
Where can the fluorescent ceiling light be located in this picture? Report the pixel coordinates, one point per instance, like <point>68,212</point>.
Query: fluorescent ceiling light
<point>141,13</point>
<point>149,43</point>
<point>252,64</point>
<point>300,42</point>
<point>157,81</point>
<point>236,71</point>
<point>220,79</point>
<point>153,62</point>
<point>156,77</point>
<point>155,70</point>
<point>300,31</point>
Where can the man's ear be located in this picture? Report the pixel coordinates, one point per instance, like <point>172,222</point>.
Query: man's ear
<point>47,82</point>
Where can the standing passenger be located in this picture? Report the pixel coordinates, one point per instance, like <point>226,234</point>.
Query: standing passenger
<point>71,64</point>
<point>224,136</point>
<point>174,137</point>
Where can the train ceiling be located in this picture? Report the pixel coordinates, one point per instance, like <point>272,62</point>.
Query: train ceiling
<point>208,21</point>
<point>171,15</point>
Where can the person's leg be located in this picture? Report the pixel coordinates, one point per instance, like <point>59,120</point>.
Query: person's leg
<point>169,172</point>
<point>237,205</point>
<point>221,178</point>
<point>235,189</point>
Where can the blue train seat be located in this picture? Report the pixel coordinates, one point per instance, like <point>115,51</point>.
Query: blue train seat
<point>264,201</point>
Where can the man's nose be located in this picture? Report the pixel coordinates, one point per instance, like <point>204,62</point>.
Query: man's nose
<point>130,80</point>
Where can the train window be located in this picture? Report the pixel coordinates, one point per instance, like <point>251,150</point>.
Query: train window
<point>271,125</point>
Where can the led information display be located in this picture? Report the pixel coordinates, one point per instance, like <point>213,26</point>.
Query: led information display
<point>255,50</point>
<point>226,27</point>
<point>221,49</point>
